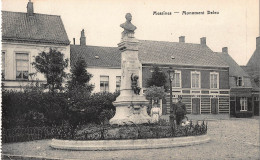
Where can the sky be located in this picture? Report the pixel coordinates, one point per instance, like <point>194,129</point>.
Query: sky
<point>236,26</point>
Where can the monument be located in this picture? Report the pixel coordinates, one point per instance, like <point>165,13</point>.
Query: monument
<point>130,104</point>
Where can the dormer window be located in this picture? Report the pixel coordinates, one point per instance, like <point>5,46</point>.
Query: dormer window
<point>239,81</point>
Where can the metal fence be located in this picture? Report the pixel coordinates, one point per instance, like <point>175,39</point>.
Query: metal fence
<point>30,134</point>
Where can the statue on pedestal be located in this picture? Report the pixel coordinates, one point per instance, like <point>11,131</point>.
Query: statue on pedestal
<point>131,103</point>
<point>134,84</point>
<point>128,27</point>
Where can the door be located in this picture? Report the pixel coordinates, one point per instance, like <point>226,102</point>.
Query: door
<point>214,105</point>
<point>195,105</point>
<point>232,108</point>
<point>256,108</point>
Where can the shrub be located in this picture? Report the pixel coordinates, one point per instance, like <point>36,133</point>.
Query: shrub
<point>139,131</point>
<point>85,108</point>
<point>33,108</point>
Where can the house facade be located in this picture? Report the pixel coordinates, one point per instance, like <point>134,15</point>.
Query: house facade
<point>201,77</point>
<point>104,63</point>
<point>24,36</point>
<point>253,70</point>
<point>240,87</point>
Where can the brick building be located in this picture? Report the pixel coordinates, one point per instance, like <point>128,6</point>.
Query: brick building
<point>253,70</point>
<point>201,77</point>
<point>240,87</point>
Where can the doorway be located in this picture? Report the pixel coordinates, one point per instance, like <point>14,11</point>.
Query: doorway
<point>214,105</point>
<point>195,106</point>
<point>256,108</point>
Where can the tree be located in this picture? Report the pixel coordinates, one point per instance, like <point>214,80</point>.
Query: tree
<point>80,77</point>
<point>155,93</point>
<point>158,78</point>
<point>52,65</point>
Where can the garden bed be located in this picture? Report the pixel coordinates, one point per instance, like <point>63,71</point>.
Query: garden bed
<point>142,131</point>
<point>98,145</point>
<point>142,136</point>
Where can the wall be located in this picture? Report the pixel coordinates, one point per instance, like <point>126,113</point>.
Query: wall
<point>186,76</point>
<point>204,94</point>
<point>233,82</point>
<point>11,49</point>
<point>97,72</point>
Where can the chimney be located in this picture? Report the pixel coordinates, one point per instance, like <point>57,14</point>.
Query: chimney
<point>73,41</point>
<point>30,8</point>
<point>82,38</point>
<point>203,41</point>
<point>182,39</point>
<point>258,42</point>
<point>225,50</point>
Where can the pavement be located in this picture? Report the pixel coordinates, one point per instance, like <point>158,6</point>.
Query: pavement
<point>231,139</point>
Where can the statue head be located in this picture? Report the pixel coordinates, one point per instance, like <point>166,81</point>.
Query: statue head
<point>136,77</point>
<point>128,17</point>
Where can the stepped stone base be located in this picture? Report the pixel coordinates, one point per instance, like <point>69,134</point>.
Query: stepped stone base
<point>130,110</point>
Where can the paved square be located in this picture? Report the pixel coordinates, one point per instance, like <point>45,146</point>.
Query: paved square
<point>230,139</point>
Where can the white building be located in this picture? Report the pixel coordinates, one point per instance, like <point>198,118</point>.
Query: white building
<point>104,63</point>
<point>25,35</point>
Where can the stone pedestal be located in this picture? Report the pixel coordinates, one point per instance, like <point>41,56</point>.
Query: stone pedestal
<point>130,108</point>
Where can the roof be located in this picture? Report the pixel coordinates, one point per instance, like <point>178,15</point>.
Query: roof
<point>150,52</point>
<point>234,68</point>
<point>39,28</point>
<point>96,56</point>
<point>248,71</point>
<point>184,54</point>
<point>253,62</point>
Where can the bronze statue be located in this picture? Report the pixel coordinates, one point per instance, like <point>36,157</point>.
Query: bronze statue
<point>128,26</point>
<point>134,85</point>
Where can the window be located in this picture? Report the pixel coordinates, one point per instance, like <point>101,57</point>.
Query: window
<point>214,80</point>
<point>239,81</point>
<point>177,79</point>
<point>3,65</point>
<point>104,83</point>
<point>243,103</point>
<point>118,82</point>
<point>195,79</point>
<point>22,65</point>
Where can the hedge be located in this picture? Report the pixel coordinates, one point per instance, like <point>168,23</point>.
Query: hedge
<point>35,108</point>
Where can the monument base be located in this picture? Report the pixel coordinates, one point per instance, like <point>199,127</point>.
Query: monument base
<point>130,110</point>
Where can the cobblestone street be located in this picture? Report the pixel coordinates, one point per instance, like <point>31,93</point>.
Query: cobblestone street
<point>230,139</point>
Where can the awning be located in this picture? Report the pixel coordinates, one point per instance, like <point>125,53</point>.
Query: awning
<point>241,92</point>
